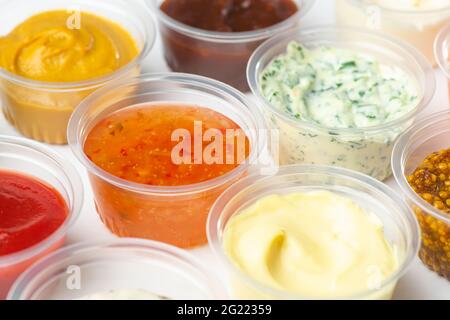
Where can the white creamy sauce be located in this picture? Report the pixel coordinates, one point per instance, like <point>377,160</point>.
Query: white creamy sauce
<point>412,5</point>
<point>126,294</point>
<point>337,89</point>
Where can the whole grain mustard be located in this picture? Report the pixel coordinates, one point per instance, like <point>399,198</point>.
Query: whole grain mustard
<point>431,181</point>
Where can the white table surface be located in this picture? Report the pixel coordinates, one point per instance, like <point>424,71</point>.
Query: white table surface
<point>418,283</point>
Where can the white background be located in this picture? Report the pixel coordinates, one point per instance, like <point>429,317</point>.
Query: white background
<point>418,283</point>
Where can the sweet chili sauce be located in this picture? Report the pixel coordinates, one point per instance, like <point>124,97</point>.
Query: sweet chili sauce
<point>137,145</point>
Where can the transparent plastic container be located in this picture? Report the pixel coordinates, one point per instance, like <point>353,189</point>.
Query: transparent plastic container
<point>430,135</point>
<point>418,27</point>
<point>41,110</point>
<point>400,227</point>
<point>219,55</point>
<point>367,150</point>
<point>442,53</point>
<point>175,215</point>
<point>26,157</point>
<point>127,264</point>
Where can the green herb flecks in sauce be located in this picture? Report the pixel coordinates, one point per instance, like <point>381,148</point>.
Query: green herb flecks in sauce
<point>337,88</point>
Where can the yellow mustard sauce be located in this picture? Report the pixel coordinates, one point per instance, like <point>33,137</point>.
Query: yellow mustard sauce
<point>46,48</point>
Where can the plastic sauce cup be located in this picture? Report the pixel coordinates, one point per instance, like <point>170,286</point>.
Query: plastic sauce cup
<point>85,269</point>
<point>442,53</point>
<point>175,215</point>
<point>218,55</point>
<point>23,156</point>
<point>400,227</point>
<point>418,27</point>
<point>41,110</point>
<point>430,135</point>
<point>367,150</point>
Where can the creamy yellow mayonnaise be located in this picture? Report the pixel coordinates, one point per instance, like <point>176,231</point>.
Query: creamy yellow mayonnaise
<point>315,245</point>
<point>413,5</point>
<point>415,21</point>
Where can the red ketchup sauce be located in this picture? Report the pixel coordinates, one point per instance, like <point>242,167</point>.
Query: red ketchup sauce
<point>30,211</point>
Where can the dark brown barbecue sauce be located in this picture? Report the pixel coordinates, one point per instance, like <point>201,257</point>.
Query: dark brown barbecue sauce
<point>221,60</point>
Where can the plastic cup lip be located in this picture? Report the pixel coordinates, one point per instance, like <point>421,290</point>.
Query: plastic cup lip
<point>16,292</point>
<point>77,194</point>
<point>398,158</point>
<point>230,37</point>
<point>296,34</point>
<point>182,78</point>
<point>149,29</point>
<point>215,217</point>
<point>392,11</point>
<point>442,39</point>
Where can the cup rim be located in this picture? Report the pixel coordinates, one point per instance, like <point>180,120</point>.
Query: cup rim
<point>441,38</point>
<point>296,33</point>
<point>216,36</point>
<point>76,192</point>
<point>392,11</point>
<point>182,78</point>
<point>214,219</point>
<point>398,162</point>
<point>215,286</point>
<point>149,35</point>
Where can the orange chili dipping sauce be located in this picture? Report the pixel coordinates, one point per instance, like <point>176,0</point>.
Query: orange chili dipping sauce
<point>137,144</point>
